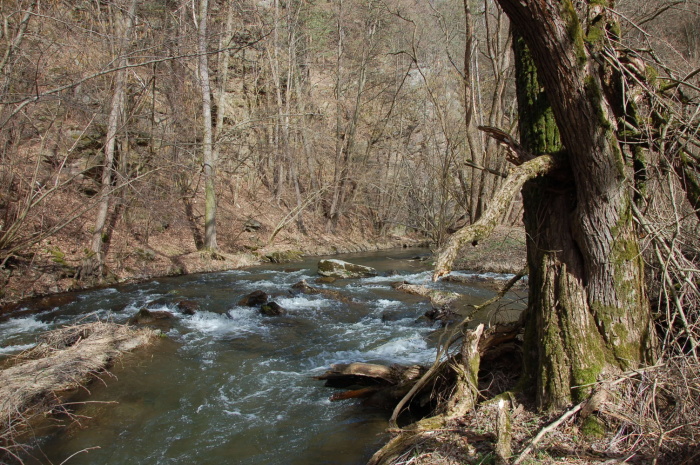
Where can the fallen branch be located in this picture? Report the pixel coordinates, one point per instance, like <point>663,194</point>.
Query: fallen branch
<point>545,430</point>
<point>511,282</point>
<point>491,218</point>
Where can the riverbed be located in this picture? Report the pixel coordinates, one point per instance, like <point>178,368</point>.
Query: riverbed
<point>228,385</point>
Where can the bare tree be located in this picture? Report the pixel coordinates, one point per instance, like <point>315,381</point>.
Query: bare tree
<point>123,26</point>
<point>208,153</point>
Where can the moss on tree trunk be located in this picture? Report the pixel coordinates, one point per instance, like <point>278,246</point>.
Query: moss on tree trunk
<point>588,313</point>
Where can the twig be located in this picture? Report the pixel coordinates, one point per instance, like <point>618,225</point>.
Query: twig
<point>87,449</point>
<point>547,429</point>
<point>511,282</point>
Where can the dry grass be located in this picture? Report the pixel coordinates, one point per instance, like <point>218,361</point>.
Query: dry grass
<point>63,359</point>
<point>657,413</point>
<point>648,417</point>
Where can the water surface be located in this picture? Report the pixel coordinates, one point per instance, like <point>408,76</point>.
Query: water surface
<point>228,385</point>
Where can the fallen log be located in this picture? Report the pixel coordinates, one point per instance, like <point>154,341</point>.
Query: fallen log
<point>357,373</point>
<point>380,385</point>
<point>438,298</point>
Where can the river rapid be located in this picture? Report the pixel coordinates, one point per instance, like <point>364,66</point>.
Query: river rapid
<point>230,386</point>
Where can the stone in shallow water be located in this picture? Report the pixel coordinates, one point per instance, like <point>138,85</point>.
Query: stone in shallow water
<point>253,299</point>
<point>272,309</point>
<point>340,269</point>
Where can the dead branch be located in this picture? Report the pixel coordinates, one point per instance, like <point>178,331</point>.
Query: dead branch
<point>547,429</point>
<point>483,227</point>
<point>511,282</point>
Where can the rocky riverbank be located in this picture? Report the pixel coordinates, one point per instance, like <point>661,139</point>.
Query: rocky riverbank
<point>47,277</point>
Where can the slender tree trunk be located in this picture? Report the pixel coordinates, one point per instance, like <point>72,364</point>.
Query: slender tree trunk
<point>208,154</point>
<point>124,24</point>
<point>468,102</point>
<point>588,314</point>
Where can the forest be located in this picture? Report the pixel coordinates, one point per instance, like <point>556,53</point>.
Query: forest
<point>149,138</point>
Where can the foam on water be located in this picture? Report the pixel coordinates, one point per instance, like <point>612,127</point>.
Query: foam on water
<point>424,277</point>
<point>386,303</point>
<point>16,348</point>
<point>29,324</point>
<point>306,304</point>
<point>238,321</point>
<point>485,275</point>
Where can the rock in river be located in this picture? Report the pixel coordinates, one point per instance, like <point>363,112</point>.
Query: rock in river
<point>272,309</point>
<point>146,317</point>
<point>254,299</point>
<point>340,269</point>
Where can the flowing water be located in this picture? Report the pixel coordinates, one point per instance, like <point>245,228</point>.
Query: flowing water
<point>228,385</point>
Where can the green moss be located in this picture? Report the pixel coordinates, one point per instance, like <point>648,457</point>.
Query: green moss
<point>573,27</point>
<point>538,130</point>
<point>593,427</point>
<point>584,377</point>
<point>651,74</point>
<point>595,35</point>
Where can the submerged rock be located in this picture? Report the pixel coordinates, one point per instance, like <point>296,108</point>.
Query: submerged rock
<point>254,299</point>
<point>158,303</point>
<point>340,269</point>
<point>445,315</point>
<point>272,309</point>
<point>325,280</point>
<point>437,297</point>
<point>303,287</point>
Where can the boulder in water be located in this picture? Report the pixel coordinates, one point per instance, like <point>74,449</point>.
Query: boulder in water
<point>284,256</point>
<point>325,280</point>
<point>272,309</point>
<point>254,299</point>
<point>146,316</point>
<point>187,307</point>
<point>340,269</point>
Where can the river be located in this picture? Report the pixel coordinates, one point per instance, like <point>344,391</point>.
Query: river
<point>228,385</point>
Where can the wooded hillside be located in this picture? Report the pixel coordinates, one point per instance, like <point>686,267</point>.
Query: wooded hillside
<point>133,132</point>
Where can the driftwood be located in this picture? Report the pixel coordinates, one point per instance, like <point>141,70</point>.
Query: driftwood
<point>64,359</point>
<point>466,392</point>
<point>304,287</point>
<point>380,385</point>
<point>437,297</point>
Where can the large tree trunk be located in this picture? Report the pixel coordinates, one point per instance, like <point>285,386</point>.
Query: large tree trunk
<point>588,314</point>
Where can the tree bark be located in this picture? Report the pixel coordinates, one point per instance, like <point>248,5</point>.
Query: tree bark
<point>588,313</point>
<point>124,23</point>
<point>208,154</point>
